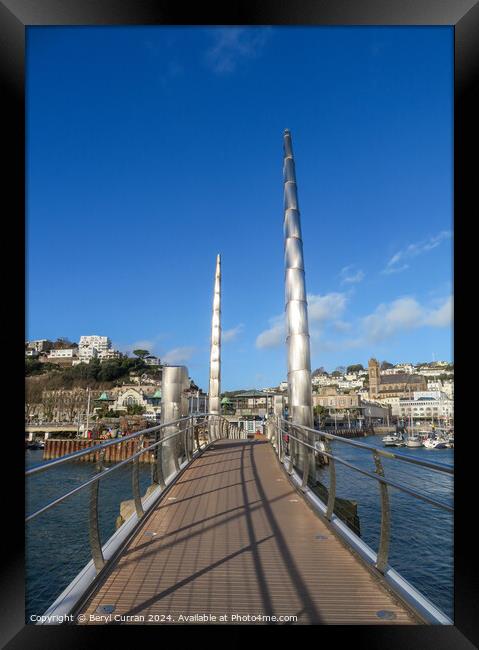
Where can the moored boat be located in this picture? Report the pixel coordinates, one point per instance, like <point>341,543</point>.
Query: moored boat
<point>394,440</point>
<point>414,440</point>
<point>435,443</point>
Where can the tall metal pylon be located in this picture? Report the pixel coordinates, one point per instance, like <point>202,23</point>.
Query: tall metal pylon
<point>215,352</point>
<point>300,399</point>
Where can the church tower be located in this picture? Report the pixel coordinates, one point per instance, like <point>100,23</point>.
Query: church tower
<point>374,378</point>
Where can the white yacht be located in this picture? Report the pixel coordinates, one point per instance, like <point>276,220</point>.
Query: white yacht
<point>435,443</point>
<point>394,440</point>
<point>414,440</point>
<point>390,440</point>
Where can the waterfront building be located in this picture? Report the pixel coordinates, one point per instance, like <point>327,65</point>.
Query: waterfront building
<point>148,397</point>
<point>427,405</point>
<point>332,398</point>
<point>397,385</point>
<point>254,402</point>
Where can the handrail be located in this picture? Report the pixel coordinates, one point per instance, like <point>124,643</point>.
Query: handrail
<point>282,426</point>
<point>440,467</point>
<point>99,447</point>
<point>190,431</point>
<point>98,477</point>
<point>96,448</point>
<point>398,486</point>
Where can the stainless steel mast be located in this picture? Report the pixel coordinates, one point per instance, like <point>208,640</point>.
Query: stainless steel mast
<point>215,353</point>
<point>297,332</point>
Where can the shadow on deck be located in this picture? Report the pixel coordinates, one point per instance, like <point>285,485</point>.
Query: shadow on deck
<point>233,538</point>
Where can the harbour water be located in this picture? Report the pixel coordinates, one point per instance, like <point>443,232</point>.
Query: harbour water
<point>56,542</point>
<point>421,549</point>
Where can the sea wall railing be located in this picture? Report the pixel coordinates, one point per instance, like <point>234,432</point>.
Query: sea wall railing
<point>318,443</point>
<point>174,446</point>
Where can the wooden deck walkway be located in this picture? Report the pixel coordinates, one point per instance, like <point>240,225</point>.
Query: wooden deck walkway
<point>234,537</point>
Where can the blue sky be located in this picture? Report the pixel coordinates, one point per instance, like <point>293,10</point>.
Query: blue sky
<point>152,149</point>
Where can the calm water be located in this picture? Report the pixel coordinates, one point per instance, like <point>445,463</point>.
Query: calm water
<point>421,549</point>
<point>56,542</point>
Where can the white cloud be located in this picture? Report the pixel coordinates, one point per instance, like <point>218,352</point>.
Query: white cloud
<point>321,309</point>
<point>275,335</point>
<point>234,44</point>
<point>178,355</point>
<point>413,250</point>
<point>141,344</point>
<point>404,314</point>
<point>231,334</point>
<point>327,307</point>
<point>349,276</point>
<point>442,316</point>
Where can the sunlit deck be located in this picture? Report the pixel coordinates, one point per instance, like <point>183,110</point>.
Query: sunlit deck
<point>233,536</point>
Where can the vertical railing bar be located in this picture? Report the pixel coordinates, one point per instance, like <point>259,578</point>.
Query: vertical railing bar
<point>135,481</point>
<point>186,445</point>
<point>174,448</point>
<point>159,464</point>
<point>306,457</point>
<point>332,481</point>
<point>94,528</point>
<point>292,452</point>
<point>197,436</point>
<point>281,439</point>
<point>383,550</point>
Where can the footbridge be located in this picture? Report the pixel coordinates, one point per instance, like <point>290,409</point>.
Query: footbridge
<point>231,530</point>
<point>225,526</point>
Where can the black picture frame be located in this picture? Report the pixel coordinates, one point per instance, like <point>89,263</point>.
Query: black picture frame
<point>15,16</point>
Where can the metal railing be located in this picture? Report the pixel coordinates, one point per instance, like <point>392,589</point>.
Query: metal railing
<point>308,438</point>
<point>180,437</point>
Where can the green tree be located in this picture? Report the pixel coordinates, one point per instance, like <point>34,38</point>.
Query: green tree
<point>356,367</point>
<point>141,354</point>
<point>135,409</point>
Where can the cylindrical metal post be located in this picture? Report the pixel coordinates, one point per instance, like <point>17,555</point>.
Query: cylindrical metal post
<point>300,401</point>
<point>172,408</point>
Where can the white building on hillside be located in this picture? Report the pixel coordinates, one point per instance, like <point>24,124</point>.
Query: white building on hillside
<point>40,345</point>
<point>108,354</point>
<point>151,360</point>
<point>69,353</point>
<point>96,347</point>
<point>100,343</point>
<point>86,354</point>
